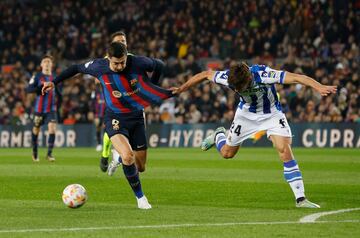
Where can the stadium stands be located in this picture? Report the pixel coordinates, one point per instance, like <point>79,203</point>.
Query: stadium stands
<point>321,41</point>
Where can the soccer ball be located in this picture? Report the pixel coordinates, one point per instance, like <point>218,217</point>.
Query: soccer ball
<point>74,196</point>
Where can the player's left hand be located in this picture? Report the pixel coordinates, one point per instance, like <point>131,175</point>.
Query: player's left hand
<point>325,90</point>
<point>175,90</point>
<point>47,86</point>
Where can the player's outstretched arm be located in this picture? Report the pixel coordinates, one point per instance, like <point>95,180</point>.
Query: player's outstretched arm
<point>324,90</point>
<point>66,74</point>
<point>196,79</point>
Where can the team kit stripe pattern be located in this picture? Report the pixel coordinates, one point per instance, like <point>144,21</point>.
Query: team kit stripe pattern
<point>45,103</point>
<point>99,104</point>
<point>122,96</point>
<point>291,171</point>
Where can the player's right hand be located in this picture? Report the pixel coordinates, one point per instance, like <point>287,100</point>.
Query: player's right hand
<point>47,86</point>
<point>324,90</point>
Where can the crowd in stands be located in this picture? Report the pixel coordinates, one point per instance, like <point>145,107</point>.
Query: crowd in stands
<point>314,37</point>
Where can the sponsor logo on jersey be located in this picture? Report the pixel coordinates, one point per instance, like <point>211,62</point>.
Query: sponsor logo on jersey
<point>132,92</point>
<point>254,89</point>
<point>118,94</point>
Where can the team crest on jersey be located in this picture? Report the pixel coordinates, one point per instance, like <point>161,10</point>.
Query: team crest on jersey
<point>133,82</point>
<point>270,74</point>
<point>116,94</point>
<point>115,124</point>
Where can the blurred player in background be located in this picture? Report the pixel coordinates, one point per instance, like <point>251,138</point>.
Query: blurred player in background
<point>45,107</point>
<point>127,92</point>
<point>99,106</point>
<point>259,109</point>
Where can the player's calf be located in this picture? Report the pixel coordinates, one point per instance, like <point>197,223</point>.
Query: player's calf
<point>140,160</point>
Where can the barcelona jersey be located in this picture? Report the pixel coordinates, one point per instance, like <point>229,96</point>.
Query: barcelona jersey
<point>43,103</point>
<point>129,90</point>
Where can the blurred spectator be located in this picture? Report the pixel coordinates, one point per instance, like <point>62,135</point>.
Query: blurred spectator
<point>317,38</point>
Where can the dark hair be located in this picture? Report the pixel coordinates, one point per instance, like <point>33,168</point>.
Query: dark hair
<point>115,34</point>
<point>240,76</point>
<point>117,50</point>
<point>48,57</point>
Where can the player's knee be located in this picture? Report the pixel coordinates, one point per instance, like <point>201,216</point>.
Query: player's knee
<point>36,130</point>
<point>128,158</point>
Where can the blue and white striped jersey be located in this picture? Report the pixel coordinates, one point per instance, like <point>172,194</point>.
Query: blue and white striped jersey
<point>261,97</point>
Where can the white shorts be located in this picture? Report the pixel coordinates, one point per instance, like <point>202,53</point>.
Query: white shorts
<point>246,125</point>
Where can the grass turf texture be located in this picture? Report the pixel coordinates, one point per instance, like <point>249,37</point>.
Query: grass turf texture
<point>185,186</point>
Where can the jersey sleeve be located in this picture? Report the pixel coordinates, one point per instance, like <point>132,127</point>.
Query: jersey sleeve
<point>90,67</point>
<point>33,86</point>
<point>146,63</point>
<point>33,81</point>
<point>267,75</point>
<point>221,77</point>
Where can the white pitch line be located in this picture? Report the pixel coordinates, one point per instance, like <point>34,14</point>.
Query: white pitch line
<point>166,226</point>
<point>315,216</point>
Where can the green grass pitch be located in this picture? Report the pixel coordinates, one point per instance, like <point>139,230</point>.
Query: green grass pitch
<point>193,193</point>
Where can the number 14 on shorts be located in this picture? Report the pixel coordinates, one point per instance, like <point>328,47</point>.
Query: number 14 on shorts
<point>235,129</point>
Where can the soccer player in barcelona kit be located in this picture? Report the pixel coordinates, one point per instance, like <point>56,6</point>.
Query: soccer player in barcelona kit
<point>120,37</point>
<point>45,107</point>
<point>127,92</point>
<point>140,157</point>
<point>259,109</point>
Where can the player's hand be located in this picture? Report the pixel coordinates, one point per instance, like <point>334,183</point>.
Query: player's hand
<point>325,90</point>
<point>175,90</point>
<point>47,86</point>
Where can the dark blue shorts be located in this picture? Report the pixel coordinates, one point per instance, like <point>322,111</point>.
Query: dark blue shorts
<point>44,118</point>
<point>131,125</point>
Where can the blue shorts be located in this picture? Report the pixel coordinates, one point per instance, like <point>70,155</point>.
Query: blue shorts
<point>131,125</point>
<point>44,118</point>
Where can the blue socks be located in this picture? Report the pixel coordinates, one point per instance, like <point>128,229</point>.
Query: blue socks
<point>132,175</point>
<point>51,141</point>
<point>34,140</point>
<point>293,176</point>
<point>220,140</point>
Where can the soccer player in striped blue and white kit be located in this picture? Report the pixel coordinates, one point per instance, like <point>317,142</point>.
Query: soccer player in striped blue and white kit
<point>127,91</point>
<point>259,109</point>
<point>45,107</point>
